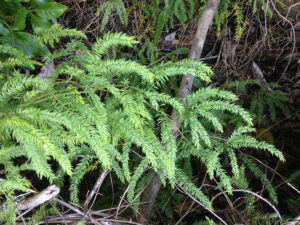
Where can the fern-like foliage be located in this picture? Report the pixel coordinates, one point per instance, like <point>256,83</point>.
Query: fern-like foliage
<point>178,9</point>
<point>267,96</point>
<point>223,12</point>
<point>239,20</point>
<point>11,57</point>
<point>97,112</point>
<point>265,6</point>
<point>112,40</point>
<point>108,7</point>
<point>51,35</point>
<point>159,15</point>
<point>207,221</point>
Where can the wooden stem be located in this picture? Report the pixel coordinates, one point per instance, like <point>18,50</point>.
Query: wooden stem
<point>96,187</point>
<point>186,85</point>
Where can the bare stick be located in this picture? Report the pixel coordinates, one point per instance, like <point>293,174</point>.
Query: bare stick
<point>201,204</point>
<point>296,4</point>
<point>185,214</point>
<point>149,197</point>
<point>96,187</point>
<point>56,209</point>
<point>23,214</point>
<point>257,195</point>
<point>293,34</point>
<point>69,206</point>
<point>294,221</point>
<point>278,174</point>
<point>121,200</point>
<point>38,199</point>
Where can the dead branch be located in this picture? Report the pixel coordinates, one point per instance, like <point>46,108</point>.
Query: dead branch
<point>38,199</point>
<point>96,187</point>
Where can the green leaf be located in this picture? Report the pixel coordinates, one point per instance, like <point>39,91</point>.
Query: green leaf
<point>20,19</point>
<point>3,30</point>
<point>39,22</point>
<point>50,10</point>
<point>36,2</point>
<point>27,43</point>
<point>14,1</point>
<point>160,24</point>
<point>178,51</point>
<point>197,83</point>
<point>8,8</point>
<point>31,46</point>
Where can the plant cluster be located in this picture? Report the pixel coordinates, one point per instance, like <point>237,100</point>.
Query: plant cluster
<point>97,112</point>
<point>162,15</point>
<point>105,108</point>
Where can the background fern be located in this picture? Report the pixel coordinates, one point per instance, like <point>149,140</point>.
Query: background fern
<point>108,7</point>
<point>268,95</point>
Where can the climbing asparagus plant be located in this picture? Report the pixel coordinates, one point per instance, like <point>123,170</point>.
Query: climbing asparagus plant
<point>97,112</point>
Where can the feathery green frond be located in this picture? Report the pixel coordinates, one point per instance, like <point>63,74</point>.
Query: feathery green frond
<point>102,45</point>
<point>71,47</point>
<point>192,188</point>
<point>269,95</point>
<point>79,171</point>
<point>125,161</point>
<point>261,176</point>
<point>137,174</point>
<point>168,140</point>
<point>233,161</point>
<point>226,106</point>
<point>11,57</point>
<point>210,93</point>
<point>180,11</point>
<point>120,67</point>
<point>156,98</point>
<point>198,132</point>
<point>52,34</point>
<point>240,140</point>
<point>239,20</point>
<point>185,67</point>
<point>121,11</point>
<point>18,84</point>
<point>108,7</point>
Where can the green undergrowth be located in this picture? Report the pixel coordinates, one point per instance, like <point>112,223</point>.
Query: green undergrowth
<point>99,111</point>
